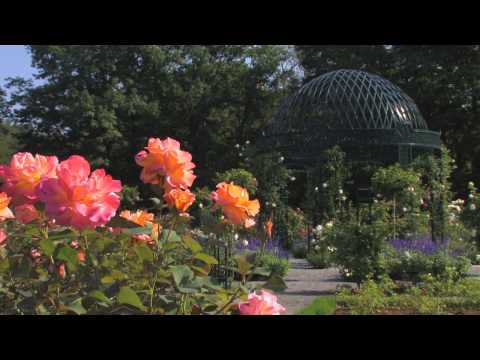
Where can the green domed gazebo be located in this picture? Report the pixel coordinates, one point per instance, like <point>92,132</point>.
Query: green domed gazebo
<point>370,118</point>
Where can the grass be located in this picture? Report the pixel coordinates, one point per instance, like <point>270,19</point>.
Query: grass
<point>323,305</point>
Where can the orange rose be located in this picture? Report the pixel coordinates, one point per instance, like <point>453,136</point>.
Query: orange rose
<point>81,256</point>
<point>235,203</point>
<point>5,212</point>
<point>61,271</point>
<point>164,163</point>
<point>139,217</point>
<point>180,199</point>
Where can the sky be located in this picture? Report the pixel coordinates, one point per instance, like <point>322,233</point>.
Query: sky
<point>14,61</point>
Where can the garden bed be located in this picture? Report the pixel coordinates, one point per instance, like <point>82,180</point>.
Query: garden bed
<point>397,311</point>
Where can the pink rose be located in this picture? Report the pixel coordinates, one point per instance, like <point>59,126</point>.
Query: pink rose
<point>263,303</point>
<point>3,237</point>
<point>79,198</point>
<point>26,213</point>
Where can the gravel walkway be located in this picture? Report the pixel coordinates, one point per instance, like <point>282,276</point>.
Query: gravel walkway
<point>305,284</point>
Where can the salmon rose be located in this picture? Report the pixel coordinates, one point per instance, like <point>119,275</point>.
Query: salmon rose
<point>139,217</point>
<point>235,203</point>
<point>263,303</point>
<point>77,198</point>
<point>23,175</point>
<point>5,212</point>
<point>180,199</point>
<point>165,164</point>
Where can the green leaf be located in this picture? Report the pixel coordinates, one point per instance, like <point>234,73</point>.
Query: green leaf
<point>172,236</point>
<point>192,244</point>
<point>77,307</point>
<point>324,305</point>
<point>181,274</point>
<point>243,266</point>
<point>137,231</point>
<point>275,283</point>
<point>68,255</point>
<point>62,235</point>
<point>4,265</point>
<point>206,258</point>
<point>262,271</point>
<point>107,280</point>
<point>200,270</point>
<point>100,296</point>
<point>130,297</point>
<point>144,252</point>
<point>47,247</point>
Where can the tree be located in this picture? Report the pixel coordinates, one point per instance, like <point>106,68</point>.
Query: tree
<point>8,141</point>
<point>106,101</point>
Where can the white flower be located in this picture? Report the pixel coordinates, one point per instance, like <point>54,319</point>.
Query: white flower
<point>274,205</point>
<point>281,159</point>
<point>471,196</point>
<point>236,236</point>
<point>293,178</point>
<point>344,198</point>
<point>267,203</point>
<point>317,247</point>
<point>200,206</point>
<point>237,146</point>
<point>375,201</point>
<point>329,224</point>
<point>379,196</point>
<point>325,185</point>
<point>316,188</point>
<point>319,228</point>
<point>247,142</point>
<point>245,243</point>
<point>331,249</point>
<point>473,207</point>
<point>404,209</point>
<point>471,184</point>
<point>240,154</point>
<point>408,255</point>
<point>340,191</point>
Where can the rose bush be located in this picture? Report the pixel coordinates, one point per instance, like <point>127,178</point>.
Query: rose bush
<point>64,250</point>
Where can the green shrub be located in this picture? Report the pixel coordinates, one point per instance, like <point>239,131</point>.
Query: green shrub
<point>319,260</point>
<point>299,252</point>
<point>412,265</point>
<point>359,248</point>
<point>275,265</point>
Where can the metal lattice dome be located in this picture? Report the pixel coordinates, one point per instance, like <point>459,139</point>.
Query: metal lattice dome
<point>354,109</point>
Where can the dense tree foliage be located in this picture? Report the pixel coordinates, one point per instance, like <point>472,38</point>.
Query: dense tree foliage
<point>105,101</point>
<point>443,80</point>
<point>8,139</point>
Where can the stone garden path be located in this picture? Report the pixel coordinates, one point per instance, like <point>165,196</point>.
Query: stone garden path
<point>305,284</point>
